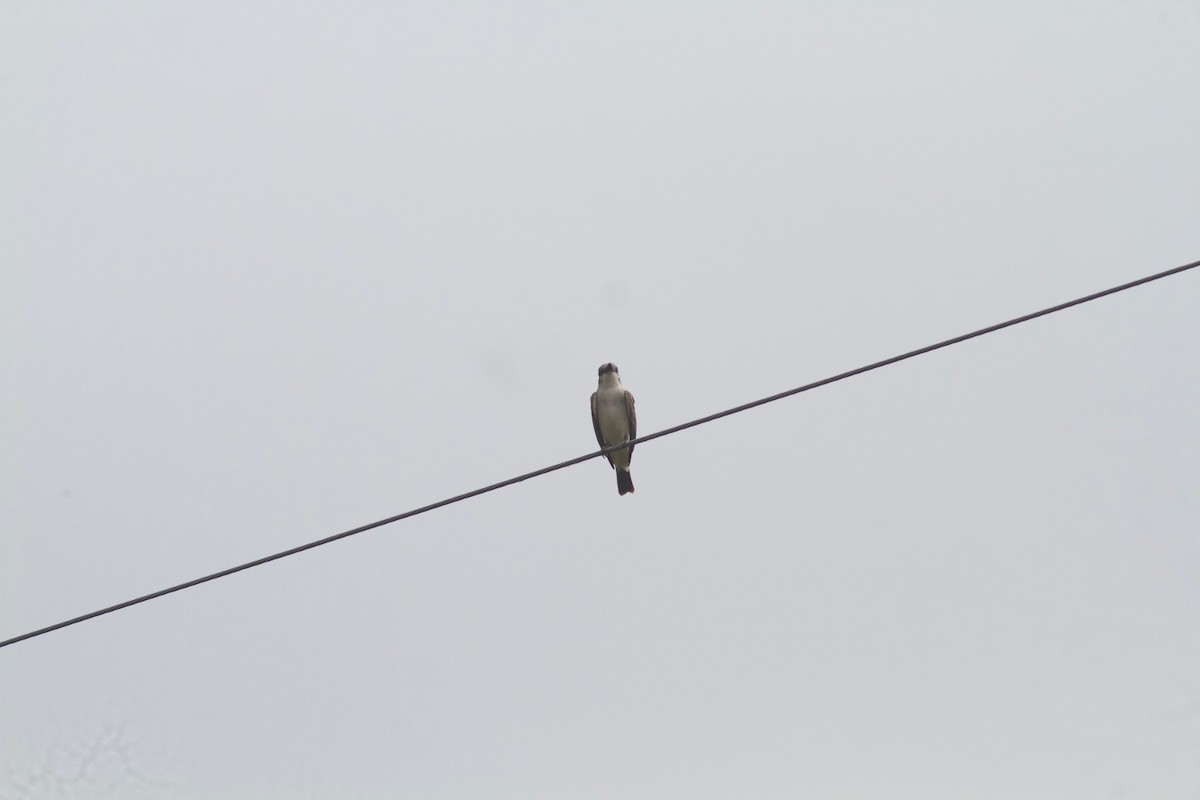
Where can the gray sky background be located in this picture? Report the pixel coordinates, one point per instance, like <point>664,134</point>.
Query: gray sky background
<point>275,270</point>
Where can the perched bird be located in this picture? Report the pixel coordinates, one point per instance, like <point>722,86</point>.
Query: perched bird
<point>615,421</point>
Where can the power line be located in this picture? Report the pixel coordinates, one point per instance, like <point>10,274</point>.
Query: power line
<point>572,462</point>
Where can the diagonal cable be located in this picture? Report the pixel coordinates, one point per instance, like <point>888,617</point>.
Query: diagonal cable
<point>580,459</point>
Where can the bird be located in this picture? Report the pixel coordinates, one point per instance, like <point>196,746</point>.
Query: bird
<point>615,420</point>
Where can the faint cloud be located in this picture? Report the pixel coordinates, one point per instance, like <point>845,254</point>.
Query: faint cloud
<point>614,294</point>
<point>104,756</point>
<point>495,365</point>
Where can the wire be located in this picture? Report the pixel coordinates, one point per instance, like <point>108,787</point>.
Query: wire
<point>580,459</point>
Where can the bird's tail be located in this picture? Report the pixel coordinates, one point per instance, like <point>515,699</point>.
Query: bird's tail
<point>624,481</point>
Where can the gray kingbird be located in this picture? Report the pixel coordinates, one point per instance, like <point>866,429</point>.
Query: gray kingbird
<point>615,421</point>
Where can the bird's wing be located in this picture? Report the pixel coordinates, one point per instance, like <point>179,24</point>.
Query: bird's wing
<point>596,427</point>
<point>632,412</point>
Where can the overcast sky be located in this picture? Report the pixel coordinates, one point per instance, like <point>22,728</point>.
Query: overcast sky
<point>269,271</point>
